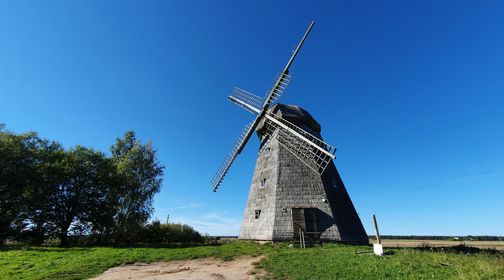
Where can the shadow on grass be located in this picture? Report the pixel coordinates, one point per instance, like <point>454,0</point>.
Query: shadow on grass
<point>82,248</point>
<point>459,249</point>
<point>388,253</point>
<point>161,245</point>
<point>42,248</point>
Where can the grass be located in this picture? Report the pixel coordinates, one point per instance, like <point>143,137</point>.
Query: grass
<point>499,245</point>
<point>342,262</point>
<point>327,262</point>
<point>82,263</point>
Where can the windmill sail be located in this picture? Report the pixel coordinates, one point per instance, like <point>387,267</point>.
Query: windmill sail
<point>284,75</point>
<point>246,100</point>
<point>249,102</point>
<point>238,146</point>
<point>309,149</point>
<point>278,87</point>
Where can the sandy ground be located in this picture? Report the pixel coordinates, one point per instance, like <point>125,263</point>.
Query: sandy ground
<point>209,268</point>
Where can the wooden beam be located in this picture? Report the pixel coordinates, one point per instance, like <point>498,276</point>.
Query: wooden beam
<point>376,229</point>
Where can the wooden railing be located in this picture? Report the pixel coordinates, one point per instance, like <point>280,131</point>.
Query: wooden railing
<point>303,235</point>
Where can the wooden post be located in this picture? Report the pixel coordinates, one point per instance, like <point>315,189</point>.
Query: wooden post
<point>377,248</point>
<point>376,229</point>
<point>300,239</point>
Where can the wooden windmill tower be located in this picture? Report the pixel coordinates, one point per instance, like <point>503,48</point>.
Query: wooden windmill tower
<point>296,190</point>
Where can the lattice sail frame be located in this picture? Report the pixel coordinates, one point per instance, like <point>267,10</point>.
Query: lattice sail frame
<point>243,98</point>
<point>278,88</point>
<point>312,151</point>
<point>224,168</point>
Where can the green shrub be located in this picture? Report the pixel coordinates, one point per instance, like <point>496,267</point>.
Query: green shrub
<point>155,232</point>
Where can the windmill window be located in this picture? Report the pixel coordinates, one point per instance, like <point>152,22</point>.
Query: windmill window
<point>263,183</point>
<point>257,214</point>
<point>267,151</point>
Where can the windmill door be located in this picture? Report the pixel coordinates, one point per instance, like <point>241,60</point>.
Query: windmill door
<point>298,221</point>
<point>305,220</point>
<point>310,215</point>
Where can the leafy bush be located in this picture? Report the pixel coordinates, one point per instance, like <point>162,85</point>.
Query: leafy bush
<point>155,232</point>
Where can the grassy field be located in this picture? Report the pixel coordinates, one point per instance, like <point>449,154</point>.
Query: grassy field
<point>327,262</point>
<point>401,243</point>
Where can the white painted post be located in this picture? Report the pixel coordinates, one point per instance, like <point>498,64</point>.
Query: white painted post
<point>377,248</point>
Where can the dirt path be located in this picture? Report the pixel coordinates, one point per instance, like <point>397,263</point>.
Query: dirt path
<point>209,268</point>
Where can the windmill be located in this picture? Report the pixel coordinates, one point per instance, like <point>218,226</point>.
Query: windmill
<point>305,200</point>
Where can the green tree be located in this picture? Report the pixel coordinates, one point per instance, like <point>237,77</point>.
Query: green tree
<point>32,223</point>
<point>13,156</point>
<point>20,156</point>
<point>141,176</point>
<point>46,190</point>
<point>105,207</point>
<point>75,184</point>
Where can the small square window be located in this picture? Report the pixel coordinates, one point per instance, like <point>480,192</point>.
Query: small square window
<point>257,214</point>
<point>263,183</point>
<point>267,151</point>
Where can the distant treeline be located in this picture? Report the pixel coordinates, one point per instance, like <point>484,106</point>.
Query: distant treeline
<point>48,192</point>
<point>440,237</point>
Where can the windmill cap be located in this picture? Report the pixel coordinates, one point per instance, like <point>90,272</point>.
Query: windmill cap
<point>293,114</point>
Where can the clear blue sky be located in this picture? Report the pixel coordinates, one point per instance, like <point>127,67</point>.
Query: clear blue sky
<point>410,92</point>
